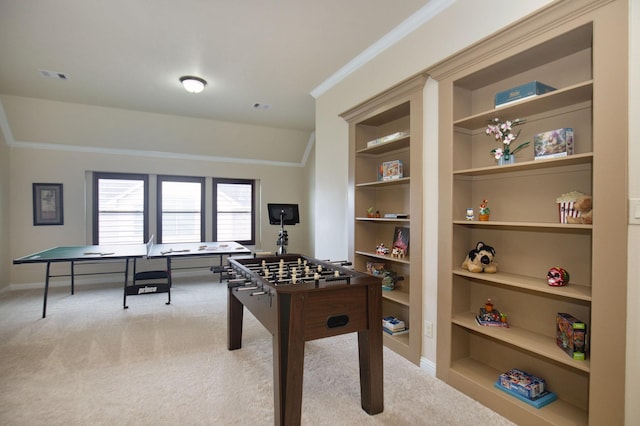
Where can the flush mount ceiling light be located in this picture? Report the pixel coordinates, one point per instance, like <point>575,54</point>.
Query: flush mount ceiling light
<point>193,84</point>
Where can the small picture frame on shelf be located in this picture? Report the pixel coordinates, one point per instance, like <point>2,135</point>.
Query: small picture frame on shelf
<point>401,240</point>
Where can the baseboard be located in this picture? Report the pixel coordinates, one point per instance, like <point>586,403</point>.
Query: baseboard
<point>428,366</point>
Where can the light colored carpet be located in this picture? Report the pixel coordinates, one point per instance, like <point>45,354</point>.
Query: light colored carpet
<point>92,363</point>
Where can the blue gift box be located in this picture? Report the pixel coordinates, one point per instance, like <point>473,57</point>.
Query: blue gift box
<point>527,90</point>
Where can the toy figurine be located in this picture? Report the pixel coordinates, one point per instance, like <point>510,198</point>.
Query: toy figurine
<point>480,259</point>
<point>389,280</point>
<point>557,277</point>
<point>488,306</point>
<point>381,249</point>
<point>470,215</point>
<point>484,211</point>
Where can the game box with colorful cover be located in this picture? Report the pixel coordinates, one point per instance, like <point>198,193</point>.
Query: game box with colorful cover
<point>553,144</point>
<point>522,383</point>
<point>571,335</point>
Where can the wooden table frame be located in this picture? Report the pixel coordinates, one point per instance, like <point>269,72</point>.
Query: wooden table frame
<point>297,313</point>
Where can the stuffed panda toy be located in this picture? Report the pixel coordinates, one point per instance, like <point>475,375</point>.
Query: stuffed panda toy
<point>480,259</point>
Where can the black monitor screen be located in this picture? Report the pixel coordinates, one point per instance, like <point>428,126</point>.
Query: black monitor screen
<point>290,212</point>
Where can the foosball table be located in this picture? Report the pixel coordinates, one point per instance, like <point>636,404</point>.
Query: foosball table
<point>298,299</point>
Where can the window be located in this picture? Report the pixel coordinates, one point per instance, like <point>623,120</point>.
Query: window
<point>233,210</point>
<point>120,204</point>
<point>180,209</point>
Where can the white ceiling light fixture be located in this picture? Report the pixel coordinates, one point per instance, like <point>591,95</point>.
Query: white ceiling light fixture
<point>193,84</point>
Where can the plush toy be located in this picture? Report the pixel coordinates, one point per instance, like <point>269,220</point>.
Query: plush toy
<point>583,205</point>
<point>480,259</point>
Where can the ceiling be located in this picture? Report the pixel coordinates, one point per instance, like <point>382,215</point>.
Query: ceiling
<point>130,53</point>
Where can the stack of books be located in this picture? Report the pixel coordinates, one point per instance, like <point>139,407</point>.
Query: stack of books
<point>393,326</point>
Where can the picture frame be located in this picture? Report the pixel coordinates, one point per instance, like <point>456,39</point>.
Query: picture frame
<point>401,239</point>
<point>47,204</point>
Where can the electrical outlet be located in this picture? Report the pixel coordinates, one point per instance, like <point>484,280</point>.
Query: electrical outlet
<point>428,328</point>
<point>634,211</point>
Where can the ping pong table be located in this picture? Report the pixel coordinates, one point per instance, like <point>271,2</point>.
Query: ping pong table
<point>126,253</point>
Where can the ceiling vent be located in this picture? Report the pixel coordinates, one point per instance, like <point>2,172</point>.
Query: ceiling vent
<point>54,74</point>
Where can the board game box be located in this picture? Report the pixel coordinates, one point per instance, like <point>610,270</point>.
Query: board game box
<point>571,335</point>
<point>553,144</point>
<point>522,383</point>
<point>524,91</point>
<point>391,170</point>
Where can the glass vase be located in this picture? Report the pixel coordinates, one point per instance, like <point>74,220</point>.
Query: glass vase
<point>502,161</point>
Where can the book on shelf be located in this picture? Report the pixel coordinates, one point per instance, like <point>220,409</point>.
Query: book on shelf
<point>395,333</point>
<point>396,215</point>
<point>389,138</point>
<point>393,324</point>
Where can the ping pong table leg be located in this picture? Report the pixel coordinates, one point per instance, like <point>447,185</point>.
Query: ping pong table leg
<point>46,291</point>
<point>72,277</point>
<point>169,273</point>
<point>126,280</point>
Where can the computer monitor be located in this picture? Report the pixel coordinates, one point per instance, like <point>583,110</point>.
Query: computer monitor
<point>289,212</point>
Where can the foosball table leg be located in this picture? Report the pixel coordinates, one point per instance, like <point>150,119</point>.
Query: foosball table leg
<point>370,357</point>
<point>288,362</point>
<point>235,312</point>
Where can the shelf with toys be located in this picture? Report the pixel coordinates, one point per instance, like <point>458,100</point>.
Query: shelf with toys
<point>532,165</point>
<point>586,158</point>
<point>467,371</point>
<point>532,342</point>
<point>572,95</point>
<point>529,283</point>
<point>385,184</point>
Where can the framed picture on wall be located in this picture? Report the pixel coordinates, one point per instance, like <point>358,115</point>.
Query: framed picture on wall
<point>47,204</point>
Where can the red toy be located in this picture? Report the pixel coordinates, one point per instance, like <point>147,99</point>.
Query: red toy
<point>557,277</point>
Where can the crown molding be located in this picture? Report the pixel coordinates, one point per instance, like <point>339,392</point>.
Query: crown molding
<point>423,15</point>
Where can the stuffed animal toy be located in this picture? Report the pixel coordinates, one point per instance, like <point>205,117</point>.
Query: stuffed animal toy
<point>480,259</point>
<point>583,205</point>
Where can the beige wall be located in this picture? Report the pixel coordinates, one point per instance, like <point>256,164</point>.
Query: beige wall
<point>34,158</point>
<point>4,214</point>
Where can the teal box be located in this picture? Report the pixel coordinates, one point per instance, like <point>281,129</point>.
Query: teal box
<point>527,90</point>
